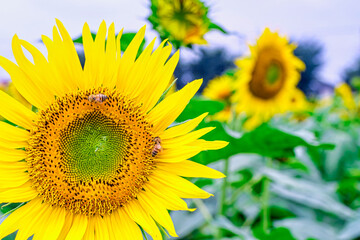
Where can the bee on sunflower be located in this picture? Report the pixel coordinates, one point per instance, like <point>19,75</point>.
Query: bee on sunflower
<point>267,79</point>
<point>84,162</point>
<point>221,89</point>
<point>183,22</point>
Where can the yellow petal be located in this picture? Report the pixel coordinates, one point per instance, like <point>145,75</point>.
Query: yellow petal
<point>170,108</point>
<point>11,155</point>
<point>160,81</point>
<point>67,226</point>
<point>210,145</point>
<point>28,78</point>
<point>12,174</point>
<point>157,211</point>
<point>183,188</point>
<point>14,220</point>
<point>22,193</point>
<point>124,227</point>
<point>178,154</point>
<point>29,224</point>
<point>90,230</point>
<point>99,55</point>
<point>70,58</point>
<point>127,62</point>
<point>190,169</point>
<point>78,227</point>
<point>51,224</point>
<point>141,217</point>
<point>12,144</point>
<point>43,70</point>
<point>148,80</point>
<point>111,59</point>
<point>15,112</point>
<point>137,74</point>
<point>182,128</point>
<point>12,133</point>
<point>185,139</point>
<point>101,230</point>
<point>169,199</point>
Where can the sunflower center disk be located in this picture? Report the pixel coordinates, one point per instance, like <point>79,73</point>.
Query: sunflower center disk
<point>93,147</point>
<point>90,157</point>
<point>268,76</point>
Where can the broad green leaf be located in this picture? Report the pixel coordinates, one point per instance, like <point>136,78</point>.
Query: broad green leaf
<point>280,233</point>
<point>198,106</point>
<point>306,229</point>
<point>264,140</point>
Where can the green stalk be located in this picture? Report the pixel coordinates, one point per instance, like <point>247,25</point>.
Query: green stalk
<point>265,205</point>
<point>265,217</point>
<point>223,196</point>
<point>223,188</point>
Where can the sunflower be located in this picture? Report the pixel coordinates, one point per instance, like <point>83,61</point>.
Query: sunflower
<point>183,22</point>
<point>343,90</point>
<point>221,89</point>
<point>267,79</point>
<point>88,163</point>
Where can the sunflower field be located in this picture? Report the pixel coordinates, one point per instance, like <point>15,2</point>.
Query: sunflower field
<point>107,133</point>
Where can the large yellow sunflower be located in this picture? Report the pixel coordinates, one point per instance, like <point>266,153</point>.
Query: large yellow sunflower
<point>267,78</point>
<point>89,162</point>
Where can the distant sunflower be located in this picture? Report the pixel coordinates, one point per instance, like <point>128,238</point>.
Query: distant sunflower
<point>221,89</point>
<point>267,79</point>
<point>89,162</point>
<point>343,90</point>
<point>183,22</point>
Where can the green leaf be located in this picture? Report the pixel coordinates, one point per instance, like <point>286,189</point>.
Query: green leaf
<point>279,233</point>
<point>271,142</point>
<point>217,27</point>
<point>264,140</point>
<point>198,106</point>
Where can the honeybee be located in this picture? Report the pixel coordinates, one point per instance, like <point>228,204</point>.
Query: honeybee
<point>157,147</point>
<point>97,98</point>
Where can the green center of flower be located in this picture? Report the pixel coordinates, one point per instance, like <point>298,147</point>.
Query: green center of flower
<point>268,75</point>
<point>273,73</point>
<point>93,147</point>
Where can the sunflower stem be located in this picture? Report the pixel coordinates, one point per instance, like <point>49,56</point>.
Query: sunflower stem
<point>223,188</point>
<point>265,197</point>
<point>222,202</point>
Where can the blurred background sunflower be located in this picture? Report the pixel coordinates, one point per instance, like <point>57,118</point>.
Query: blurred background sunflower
<point>267,78</point>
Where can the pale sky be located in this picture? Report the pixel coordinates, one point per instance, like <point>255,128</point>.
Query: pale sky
<point>335,23</point>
